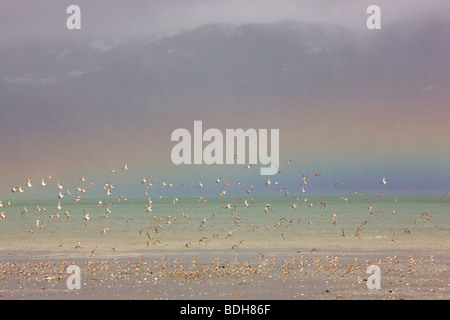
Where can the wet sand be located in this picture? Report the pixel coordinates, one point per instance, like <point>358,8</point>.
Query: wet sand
<point>232,274</point>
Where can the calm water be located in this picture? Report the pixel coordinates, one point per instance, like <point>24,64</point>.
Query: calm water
<point>386,222</point>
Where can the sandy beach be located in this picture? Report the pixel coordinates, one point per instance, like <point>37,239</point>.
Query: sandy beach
<point>237,275</point>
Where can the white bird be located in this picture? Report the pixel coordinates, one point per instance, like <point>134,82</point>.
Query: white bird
<point>125,166</point>
<point>43,183</point>
<point>246,203</point>
<point>60,187</point>
<point>383,181</point>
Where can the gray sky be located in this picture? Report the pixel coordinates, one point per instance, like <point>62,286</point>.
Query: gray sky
<point>33,20</point>
<point>87,106</point>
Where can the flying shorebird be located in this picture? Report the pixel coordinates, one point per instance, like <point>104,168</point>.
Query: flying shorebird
<point>67,214</point>
<point>333,216</point>
<point>43,183</point>
<point>383,181</point>
<point>92,252</point>
<point>105,229</point>
<point>86,218</point>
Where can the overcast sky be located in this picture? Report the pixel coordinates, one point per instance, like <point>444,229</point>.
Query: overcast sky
<point>33,20</point>
<point>353,106</point>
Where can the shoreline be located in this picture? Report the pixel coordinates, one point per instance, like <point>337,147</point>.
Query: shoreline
<point>215,275</point>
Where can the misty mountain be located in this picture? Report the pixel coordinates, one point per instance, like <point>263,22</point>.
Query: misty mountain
<point>285,61</point>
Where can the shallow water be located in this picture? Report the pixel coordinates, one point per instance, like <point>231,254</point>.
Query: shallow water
<point>385,222</point>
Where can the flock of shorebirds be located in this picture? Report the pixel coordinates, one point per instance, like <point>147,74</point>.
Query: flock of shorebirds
<point>188,268</point>
<point>150,233</point>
